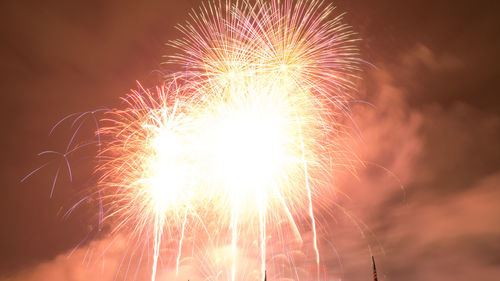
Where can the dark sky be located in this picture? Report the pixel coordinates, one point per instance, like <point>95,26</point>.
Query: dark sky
<point>434,128</point>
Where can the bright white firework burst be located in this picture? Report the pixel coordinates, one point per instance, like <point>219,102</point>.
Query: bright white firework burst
<point>246,134</point>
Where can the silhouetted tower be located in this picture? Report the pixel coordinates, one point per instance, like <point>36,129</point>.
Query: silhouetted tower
<point>374,270</point>
<point>265,275</point>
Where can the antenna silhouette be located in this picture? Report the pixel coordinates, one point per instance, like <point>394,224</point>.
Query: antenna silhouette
<point>374,270</point>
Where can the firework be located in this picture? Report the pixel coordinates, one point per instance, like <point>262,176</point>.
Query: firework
<point>276,74</point>
<point>242,139</point>
<point>167,159</point>
<point>147,164</point>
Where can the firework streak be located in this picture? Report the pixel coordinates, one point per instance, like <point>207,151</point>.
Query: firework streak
<point>241,140</point>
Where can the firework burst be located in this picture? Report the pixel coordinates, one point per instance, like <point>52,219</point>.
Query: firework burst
<point>147,164</point>
<point>243,138</point>
<point>279,71</point>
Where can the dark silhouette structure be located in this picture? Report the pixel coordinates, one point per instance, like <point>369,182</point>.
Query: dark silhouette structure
<point>374,270</point>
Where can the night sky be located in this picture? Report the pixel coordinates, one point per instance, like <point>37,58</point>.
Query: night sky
<point>429,132</point>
